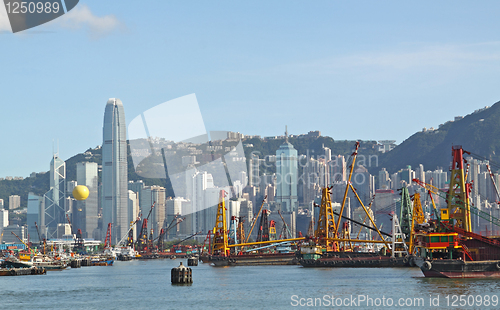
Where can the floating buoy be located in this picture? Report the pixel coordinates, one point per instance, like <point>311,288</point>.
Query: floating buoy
<point>193,261</point>
<point>181,275</point>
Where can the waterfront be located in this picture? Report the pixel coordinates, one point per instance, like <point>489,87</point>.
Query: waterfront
<point>146,285</point>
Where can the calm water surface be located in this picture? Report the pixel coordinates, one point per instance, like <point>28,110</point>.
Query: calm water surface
<point>146,285</point>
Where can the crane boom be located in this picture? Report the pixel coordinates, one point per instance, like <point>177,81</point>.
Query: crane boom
<point>27,246</point>
<point>254,221</point>
<point>38,232</point>
<point>126,234</point>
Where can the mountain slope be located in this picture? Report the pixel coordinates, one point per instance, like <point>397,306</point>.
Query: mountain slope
<point>478,133</point>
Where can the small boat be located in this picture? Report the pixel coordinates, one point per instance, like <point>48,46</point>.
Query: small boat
<point>102,261</point>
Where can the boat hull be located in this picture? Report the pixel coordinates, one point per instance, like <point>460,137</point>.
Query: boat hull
<point>359,260</point>
<point>254,259</point>
<point>454,268</point>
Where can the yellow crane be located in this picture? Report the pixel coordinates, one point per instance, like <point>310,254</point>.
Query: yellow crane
<point>418,216</point>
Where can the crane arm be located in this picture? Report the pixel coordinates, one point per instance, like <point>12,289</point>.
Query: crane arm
<point>254,221</point>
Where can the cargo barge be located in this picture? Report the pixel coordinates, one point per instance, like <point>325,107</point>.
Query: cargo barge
<point>362,260</point>
<point>252,259</point>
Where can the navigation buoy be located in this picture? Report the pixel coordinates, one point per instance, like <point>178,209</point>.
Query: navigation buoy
<point>80,192</point>
<point>181,275</point>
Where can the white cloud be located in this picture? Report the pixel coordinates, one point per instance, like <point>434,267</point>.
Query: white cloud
<point>4,19</point>
<point>81,17</point>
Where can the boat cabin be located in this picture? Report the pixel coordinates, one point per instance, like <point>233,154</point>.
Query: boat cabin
<point>437,244</point>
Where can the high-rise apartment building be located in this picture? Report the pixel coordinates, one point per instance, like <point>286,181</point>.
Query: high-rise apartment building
<point>14,202</point>
<point>383,179</point>
<point>85,215</point>
<point>114,170</point>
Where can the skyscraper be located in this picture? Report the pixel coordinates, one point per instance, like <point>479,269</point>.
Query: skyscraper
<point>286,177</point>
<point>85,213</point>
<point>55,198</point>
<point>114,170</point>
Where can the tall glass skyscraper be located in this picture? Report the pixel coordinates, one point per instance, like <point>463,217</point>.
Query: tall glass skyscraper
<point>114,170</point>
<point>55,198</point>
<point>286,177</point>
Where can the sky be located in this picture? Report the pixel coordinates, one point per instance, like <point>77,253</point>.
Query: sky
<point>370,70</point>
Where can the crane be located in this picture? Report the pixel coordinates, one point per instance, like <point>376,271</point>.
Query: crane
<point>143,237</point>
<point>285,231</point>
<point>27,247</point>
<point>431,189</point>
<point>42,242</point>
<point>163,232</point>
<point>254,221</point>
<point>79,243</point>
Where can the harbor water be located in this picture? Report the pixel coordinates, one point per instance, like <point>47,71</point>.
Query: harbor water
<point>145,284</point>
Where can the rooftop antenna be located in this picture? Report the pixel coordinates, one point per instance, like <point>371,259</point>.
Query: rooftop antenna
<point>286,133</point>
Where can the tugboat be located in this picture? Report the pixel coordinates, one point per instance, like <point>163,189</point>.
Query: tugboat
<point>448,248</point>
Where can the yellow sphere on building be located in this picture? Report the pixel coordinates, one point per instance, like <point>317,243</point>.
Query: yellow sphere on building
<point>80,192</point>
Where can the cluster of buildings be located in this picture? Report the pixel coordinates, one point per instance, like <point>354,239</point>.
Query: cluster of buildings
<point>291,191</point>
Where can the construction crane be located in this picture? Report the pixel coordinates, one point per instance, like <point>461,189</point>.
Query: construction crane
<point>492,176</point>
<point>263,234</point>
<point>285,231</point>
<point>107,240</point>
<point>142,243</point>
<point>417,217</point>
<point>127,234</point>
<point>163,232</point>
<point>254,221</point>
<point>42,242</point>
<point>220,242</point>
<point>79,242</point>
<point>405,214</point>
<point>240,230</point>
<point>431,189</point>
<point>187,238</point>
<point>350,186</point>
<point>27,247</point>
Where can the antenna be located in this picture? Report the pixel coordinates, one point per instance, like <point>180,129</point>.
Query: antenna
<point>286,133</point>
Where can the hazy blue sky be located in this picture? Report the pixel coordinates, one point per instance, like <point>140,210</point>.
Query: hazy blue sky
<point>351,69</point>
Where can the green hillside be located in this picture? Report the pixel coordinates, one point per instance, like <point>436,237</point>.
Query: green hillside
<point>478,133</point>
